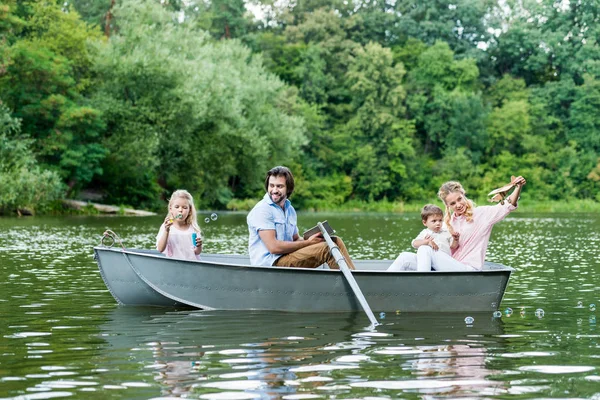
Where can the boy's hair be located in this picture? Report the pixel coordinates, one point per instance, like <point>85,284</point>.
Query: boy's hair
<point>286,173</point>
<point>192,218</point>
<point>430,209</point>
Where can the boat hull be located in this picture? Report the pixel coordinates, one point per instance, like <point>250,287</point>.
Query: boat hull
<point>228,282</point>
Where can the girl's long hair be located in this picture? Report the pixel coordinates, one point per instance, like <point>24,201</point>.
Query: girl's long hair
<point>453,187</point>
<point>192,217</point>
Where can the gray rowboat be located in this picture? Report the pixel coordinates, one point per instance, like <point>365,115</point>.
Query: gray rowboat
<point>229,282</point>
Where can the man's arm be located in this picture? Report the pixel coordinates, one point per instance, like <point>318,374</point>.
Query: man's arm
<point>284,247</point>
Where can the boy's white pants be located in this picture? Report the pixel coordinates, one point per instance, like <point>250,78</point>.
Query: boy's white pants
<point>427,259</point>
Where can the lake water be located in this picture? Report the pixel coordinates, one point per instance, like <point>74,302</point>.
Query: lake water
<point>62,334</point>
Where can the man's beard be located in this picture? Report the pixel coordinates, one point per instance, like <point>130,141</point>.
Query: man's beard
<point>282,198</point>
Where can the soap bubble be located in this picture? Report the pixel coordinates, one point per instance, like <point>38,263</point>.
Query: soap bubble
<point>580,304</point>
<point>207,220</point>
<point>508,312</point>
<point>592,319</point>
<point>382,315</point>
<point>497,314</point>
<point>522,312</point>
<point>214,216</point>
<point>539,313</point>
<point>469,320</point>
<point>592,307</point>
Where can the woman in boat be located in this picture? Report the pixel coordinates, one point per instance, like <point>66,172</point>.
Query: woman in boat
<point>471,225</point>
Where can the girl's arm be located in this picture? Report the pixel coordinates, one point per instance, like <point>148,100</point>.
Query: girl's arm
<point>514,196</point>
<point>163,235</point>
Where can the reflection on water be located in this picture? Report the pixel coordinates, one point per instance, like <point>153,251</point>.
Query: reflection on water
<point>275,355</point>
<point>62,335</point>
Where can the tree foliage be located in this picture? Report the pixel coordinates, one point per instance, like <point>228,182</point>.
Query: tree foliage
<point>23,184</point>
<point>364,100</point>
<point>208,110</point>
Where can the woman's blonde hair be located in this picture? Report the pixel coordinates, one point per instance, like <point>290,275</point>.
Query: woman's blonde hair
<point>192,218</point>
<point>453,187</point>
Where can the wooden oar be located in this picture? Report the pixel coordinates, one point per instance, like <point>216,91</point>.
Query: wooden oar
<point>339,258</point>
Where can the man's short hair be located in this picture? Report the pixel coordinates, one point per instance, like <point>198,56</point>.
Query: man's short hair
<point>430,209</point>
<point>281,171</point>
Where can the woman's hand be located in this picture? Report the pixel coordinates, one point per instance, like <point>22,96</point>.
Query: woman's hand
<point>520,181</point>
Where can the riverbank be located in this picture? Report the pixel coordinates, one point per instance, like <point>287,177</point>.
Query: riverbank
<point>84,208</point>
<point>400,207</point>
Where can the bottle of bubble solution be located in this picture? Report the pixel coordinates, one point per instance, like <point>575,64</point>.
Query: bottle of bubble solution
<point>194,237</point>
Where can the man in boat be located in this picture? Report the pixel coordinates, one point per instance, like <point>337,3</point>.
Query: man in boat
<point>272,224</point>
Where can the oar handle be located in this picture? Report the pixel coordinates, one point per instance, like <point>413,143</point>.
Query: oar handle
<point>339,258</point>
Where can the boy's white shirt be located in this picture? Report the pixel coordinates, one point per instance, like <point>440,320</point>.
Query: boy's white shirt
<point>443,239</point>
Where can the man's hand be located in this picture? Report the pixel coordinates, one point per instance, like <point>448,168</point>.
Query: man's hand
<point>316,238</point>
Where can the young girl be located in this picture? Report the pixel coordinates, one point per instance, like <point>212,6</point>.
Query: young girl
<point>174,238</point>
<point>471,225</point>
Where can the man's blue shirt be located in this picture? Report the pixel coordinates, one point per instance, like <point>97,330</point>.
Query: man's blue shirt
<point>267,215</point>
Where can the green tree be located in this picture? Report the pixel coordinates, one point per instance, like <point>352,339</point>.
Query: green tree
<point>583,124</point>
<point>48,72</point>
<point>445,102</point>
<point>378,131</point>
<point>192,113</point>
<point>23,184</point>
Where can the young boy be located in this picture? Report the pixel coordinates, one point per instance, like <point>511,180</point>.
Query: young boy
<point>434,236</point>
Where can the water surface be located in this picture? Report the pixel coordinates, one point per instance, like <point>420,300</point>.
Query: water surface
<point>62,334</point>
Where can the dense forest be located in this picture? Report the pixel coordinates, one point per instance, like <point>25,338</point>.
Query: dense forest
<point>366,100</point>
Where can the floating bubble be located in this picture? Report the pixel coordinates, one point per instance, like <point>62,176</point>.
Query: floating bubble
<point>382,315</point>
<point>592,319</point>
<point>539,313</point>
<point>592,307</point>
<point>508,312</point>
<point>580,304</point>
<point>469,320</point>
<point>494,304</point>
<point>207,220</point>
<point>397,312</point>
<point>214,216</point>
<point>522,312</point>
<point>497,314</point>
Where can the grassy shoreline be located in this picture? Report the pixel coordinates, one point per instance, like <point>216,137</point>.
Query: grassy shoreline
<point>534,206</point>
<point>400,207</point>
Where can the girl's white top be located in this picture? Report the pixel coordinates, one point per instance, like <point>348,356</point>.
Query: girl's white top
<point>179,243</point>
<point>443,239</point>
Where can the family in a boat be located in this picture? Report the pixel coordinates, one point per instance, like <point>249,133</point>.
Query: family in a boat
<point>453,240</point>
